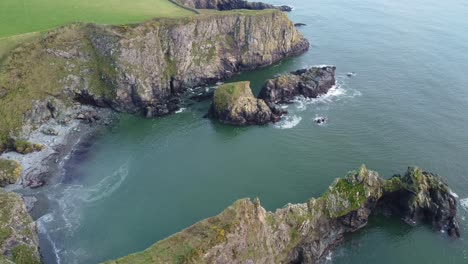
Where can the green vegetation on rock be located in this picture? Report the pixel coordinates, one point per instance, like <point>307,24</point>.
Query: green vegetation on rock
<point>229,93</point>
<point>10,171</point>
<point>22,254</point>
<point>301,233</point>
<point>18,233</point>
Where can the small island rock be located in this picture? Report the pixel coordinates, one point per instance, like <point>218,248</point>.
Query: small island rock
<point>234,104</point>
<point>309,83</point>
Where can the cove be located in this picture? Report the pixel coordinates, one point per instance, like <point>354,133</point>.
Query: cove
<point>149,178</point>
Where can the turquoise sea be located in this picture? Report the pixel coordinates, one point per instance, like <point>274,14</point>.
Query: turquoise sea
<point>407,105</point>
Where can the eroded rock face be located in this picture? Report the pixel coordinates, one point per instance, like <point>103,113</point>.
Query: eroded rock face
<point>231,4</point>
<point>144,69</point>
<point>18,233</point>
<point>234,104</point>
<point>303,233</point>
<point>309,83</point>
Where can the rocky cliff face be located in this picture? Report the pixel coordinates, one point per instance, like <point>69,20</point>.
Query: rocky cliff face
<point>235,104</point>
<point>302,233</point>
<point>230,5</point>
<point>139,69</point>
<point>18,233</point>
<point>309,83</point>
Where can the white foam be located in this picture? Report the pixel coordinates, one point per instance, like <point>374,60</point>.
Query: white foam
<point>181,110</point>
<point>464,203</point>
<point>107,186</point>
<point>288,122</point>
<point>453,194</point>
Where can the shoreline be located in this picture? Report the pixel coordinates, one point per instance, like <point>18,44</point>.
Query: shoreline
<point>43,168</point>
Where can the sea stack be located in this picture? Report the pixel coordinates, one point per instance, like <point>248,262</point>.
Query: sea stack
<point>234,104</point>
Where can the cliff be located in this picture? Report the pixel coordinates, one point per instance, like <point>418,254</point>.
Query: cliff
<point>230,5</point>
<point>302,233</point>
<point>141,69</point>
<point>234,104</point>
<point>18,233</point>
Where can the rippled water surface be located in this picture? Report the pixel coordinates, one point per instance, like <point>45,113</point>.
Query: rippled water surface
<point>407,105</point>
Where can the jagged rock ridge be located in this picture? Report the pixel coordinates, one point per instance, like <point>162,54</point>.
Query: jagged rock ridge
<point>302,233</point>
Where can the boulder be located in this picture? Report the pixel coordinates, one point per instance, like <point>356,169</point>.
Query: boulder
<point>234,104</point>
<point>309,83</point>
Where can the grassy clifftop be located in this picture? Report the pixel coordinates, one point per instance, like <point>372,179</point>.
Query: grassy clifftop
<point>18,17</point>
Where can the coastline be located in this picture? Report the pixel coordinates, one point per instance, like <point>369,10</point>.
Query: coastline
<point>42,168</point>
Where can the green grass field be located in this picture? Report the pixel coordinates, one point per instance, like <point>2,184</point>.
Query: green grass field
<point>24,16</point>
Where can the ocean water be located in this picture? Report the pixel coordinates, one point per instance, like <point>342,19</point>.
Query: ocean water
<point>407,105</point>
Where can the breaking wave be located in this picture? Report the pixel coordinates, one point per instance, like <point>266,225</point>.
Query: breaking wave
<point>301,104</point>
<point>288,122</point>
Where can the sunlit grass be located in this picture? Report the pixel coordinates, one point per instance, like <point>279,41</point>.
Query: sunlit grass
<point>24,16</point>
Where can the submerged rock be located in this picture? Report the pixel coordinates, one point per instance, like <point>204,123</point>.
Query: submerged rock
<point>309,83</point>
<point>303,233</point>
<point>320,120</point>
<point>300,24</point>
<point>234,104</point>
<point>18,233</point>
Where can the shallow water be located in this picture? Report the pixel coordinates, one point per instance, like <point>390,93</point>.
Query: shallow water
<point>407,105</point>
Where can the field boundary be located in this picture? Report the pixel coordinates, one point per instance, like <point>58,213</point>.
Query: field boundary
<point>184,7</point>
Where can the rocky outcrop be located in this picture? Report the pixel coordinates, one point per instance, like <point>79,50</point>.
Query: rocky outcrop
<point>18,233</point>
<point>303,233</point>
<point>309,83</point>
<point>231,5</point>
<point>10,172</point>
<point>141,69</point>
<point>234,104</point>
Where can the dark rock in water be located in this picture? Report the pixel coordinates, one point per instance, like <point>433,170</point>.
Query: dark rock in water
<point>304,233</point>
<point>234,104</point>
<point>300,24</point>
<point>309,83</point>
<point>320,120</point>
<point>284,8</point>
<point>351,74</point>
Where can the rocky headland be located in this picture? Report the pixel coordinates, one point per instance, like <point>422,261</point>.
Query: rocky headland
<point>52,84</point>
<point>303,233</point>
